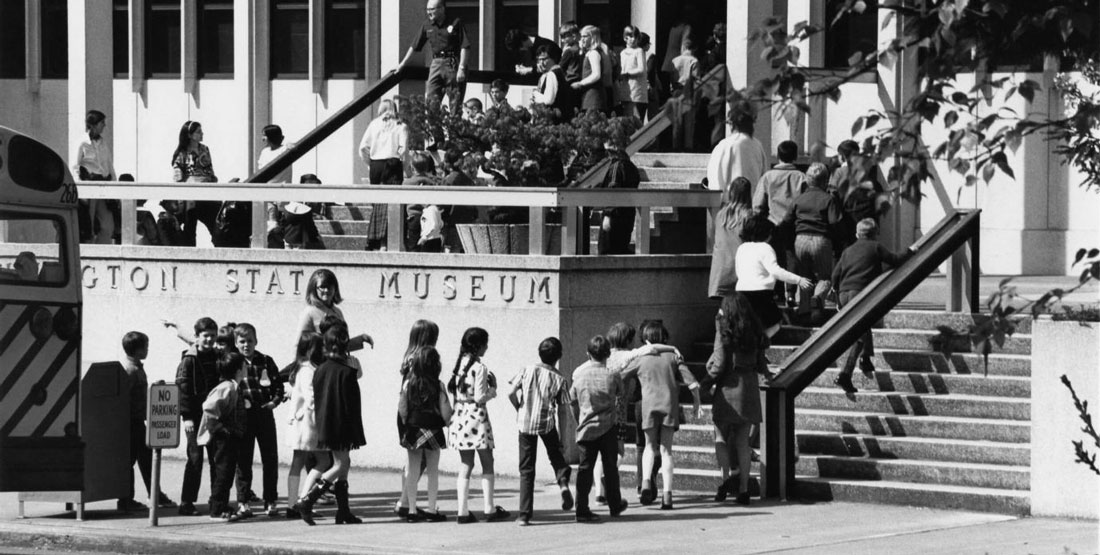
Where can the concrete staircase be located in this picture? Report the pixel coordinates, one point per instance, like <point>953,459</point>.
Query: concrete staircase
<point>671,230</point>
<point>924,430</point>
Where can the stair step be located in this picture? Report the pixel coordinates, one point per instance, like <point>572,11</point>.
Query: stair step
<point>358,212</point>
<point>342,227</point>
<point>915,404</point>
<point>909,339</point>
<point>935,449</point>
<point>683,175</point>
<point>931,320</point>
<point>344,242</point>
<point>1005,501</point>
<point>917,471</point>
<point>670,185</point>
<point>944,427</point>
<point>924,361</point>
<point>671,159</point>
<point>939,384</point>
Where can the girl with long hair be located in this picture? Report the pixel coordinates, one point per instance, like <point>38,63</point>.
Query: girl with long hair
<point>322,298</point>
<point>339,408</point>
<point>739,345</point>
<point>425,411</point>
<point>303,418</point>
<point>424,333</point>
<point>191,163</point>
<point>735,211</point>
<point>472,385</point>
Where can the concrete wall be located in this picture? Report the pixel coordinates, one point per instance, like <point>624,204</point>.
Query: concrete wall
<point>1060,486</point>
<point>519,300</point>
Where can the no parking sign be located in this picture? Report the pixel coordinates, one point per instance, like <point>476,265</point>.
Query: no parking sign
<point>163,417</point>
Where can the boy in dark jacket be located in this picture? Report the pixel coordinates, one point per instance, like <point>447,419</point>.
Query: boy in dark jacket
<point>262,390</point>
<point>859,265</point>
<point>196,375</point>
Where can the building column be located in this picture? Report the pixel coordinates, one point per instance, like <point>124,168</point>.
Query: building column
<point>90,67</point>
<point>400,23</point>
<point>643,15</point>
<point>898,84</point>
<point>252,66</point>
<point>808,130</point>
<point>744,17</point>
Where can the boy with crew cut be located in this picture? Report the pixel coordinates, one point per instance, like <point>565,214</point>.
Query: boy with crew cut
<point>136,346</point>
<point>773,196</point>
<point>596,394</point>
<point>536,393</point>
<point>196,375</point>
<point>262,391</point>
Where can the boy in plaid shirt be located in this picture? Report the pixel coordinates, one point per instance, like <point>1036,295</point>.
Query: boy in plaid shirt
<point>536,393</point>
<point>262,390</point>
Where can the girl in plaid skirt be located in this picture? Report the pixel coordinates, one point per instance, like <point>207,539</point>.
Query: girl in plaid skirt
<point>425,413</point>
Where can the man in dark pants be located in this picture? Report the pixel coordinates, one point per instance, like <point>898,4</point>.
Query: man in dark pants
<point>196,375</point>
<point>136,346</point>
<point>450,50</point>
<point>595,394</point>
<point>617,224</point>
<point>262,389</point>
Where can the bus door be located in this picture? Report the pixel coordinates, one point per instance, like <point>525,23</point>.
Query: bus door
<point>40,311</point>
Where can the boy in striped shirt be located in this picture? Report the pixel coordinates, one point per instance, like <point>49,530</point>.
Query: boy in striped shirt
<point>536,393</point>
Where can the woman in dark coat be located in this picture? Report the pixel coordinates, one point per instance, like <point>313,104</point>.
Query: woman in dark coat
<point>338,406</point>
<point>738,357</point>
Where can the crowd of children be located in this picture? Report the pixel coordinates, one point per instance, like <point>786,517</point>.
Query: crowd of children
<point>228,390</point>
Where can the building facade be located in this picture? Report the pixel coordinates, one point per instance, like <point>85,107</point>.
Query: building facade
<point>237,65</point>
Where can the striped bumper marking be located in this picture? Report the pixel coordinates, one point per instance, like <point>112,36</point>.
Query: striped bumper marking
<point>39,378</point>
<point>62,403</point>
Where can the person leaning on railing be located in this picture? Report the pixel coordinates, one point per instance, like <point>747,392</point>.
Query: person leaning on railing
<point>191,163</point>
<point>93,162</point>
<point>383,147</point>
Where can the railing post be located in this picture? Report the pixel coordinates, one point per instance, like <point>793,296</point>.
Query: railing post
<point>975,274</point>
<point>570,230</point>
<point>535,238</point>
<point>259,224</point>
<point>955,279</point>
<point>777,441</point>
<point>129,221</point>
<point>641,231</point>
<point>395,227</point>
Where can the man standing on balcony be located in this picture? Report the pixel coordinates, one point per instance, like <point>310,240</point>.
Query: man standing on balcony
<point>450,50</point>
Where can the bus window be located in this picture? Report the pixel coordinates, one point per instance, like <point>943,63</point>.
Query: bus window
<point>30,250</point>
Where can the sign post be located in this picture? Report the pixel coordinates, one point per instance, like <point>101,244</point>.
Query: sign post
<point>163,432</point>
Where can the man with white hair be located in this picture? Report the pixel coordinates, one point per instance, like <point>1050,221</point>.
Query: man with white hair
<point>383,147</point>
<point>816,216</point>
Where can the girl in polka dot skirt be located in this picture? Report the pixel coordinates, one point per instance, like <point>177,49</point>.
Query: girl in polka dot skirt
<point>473,385</point>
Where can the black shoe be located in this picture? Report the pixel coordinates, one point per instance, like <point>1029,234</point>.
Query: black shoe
<point>253,498</point>
<point>743,498</point>
<point>165,503</point>
<point>401,512</point>
<point>727,486</point>
<point>292,513</point>
<point>600,500</point>
<point>587,516</point>
<point>466,519</point>
<point>498,514</point>
<point>188,509</point>
<point>428,516</point>
<point>566,499</point>
<point>648,493</point>
<point>619,510</point>
<point>844,381</point>
<point>129,506</point>
<point>866,366</point>
<point>666,501</point>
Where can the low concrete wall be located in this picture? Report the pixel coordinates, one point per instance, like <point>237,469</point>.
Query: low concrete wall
<point>519,300</point>
<point>1059,486</point>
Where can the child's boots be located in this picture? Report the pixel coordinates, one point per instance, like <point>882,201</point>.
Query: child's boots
<point>305,503</point>
<point>343,506</point>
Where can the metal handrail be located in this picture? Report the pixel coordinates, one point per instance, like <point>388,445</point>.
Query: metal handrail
<point>950,236</point>
<point>648,133</point>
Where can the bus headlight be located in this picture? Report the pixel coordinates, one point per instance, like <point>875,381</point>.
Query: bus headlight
<point>42,324</point>
<point>65,324</point>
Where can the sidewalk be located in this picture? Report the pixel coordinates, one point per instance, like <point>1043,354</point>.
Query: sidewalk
<point>697,525</point>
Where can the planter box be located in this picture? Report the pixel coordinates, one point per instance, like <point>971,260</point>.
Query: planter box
<point>505,238</point>
<point>1059,486</point>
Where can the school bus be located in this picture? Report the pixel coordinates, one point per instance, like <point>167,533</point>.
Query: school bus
<point>40,311</point>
